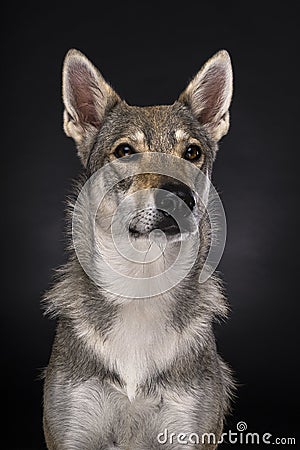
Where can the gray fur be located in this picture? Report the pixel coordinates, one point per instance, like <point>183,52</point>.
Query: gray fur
<point>87,404</point>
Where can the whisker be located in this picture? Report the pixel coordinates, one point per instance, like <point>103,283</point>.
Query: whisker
<point>150,245</point>
<point>164,258</point>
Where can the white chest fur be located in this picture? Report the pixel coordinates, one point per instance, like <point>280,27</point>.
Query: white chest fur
<point>139,342</point>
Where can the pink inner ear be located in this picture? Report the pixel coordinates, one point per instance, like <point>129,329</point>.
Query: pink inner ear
<point>211,95</point>
<point>85,94</point>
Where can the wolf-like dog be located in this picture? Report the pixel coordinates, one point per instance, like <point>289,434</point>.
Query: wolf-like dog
<point>138,369</point>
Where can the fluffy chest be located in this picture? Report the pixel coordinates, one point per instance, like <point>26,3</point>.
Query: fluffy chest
<point>140,343</point>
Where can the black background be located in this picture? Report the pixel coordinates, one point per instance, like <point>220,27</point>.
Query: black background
<point>148,52</point>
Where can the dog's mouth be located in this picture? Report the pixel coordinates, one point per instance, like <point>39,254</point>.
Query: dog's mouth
<point>150,219</point>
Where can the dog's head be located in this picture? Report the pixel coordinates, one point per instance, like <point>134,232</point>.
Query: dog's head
<point>106,129</point>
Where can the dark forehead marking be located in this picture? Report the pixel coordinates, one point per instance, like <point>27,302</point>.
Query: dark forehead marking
<point>159,128</point>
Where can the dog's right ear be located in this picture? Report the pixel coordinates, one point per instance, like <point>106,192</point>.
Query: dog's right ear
<point>87,99</point>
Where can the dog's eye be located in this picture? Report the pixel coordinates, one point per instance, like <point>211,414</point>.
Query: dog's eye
<point>192,153</point>
<point>123,150</point>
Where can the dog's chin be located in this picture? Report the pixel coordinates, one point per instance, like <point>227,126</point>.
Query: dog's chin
<point>171,234</point>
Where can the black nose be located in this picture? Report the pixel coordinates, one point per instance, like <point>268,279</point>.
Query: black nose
<point>170,197</point>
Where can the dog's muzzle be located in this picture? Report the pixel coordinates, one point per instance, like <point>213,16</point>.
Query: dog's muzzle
<point>171,211</point>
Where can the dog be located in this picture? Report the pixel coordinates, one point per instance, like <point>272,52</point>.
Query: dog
<point>134,363</point>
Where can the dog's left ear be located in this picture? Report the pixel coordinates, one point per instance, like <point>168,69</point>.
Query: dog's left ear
<point>209,95</point>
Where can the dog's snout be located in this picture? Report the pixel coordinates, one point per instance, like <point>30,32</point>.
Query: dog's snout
<point>172,211</point>
<point>170,197</point>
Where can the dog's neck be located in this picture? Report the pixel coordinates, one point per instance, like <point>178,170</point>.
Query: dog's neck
<point>107,294</point>
<point>136,266</point>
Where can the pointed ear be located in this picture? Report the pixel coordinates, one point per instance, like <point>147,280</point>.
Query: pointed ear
<point>87,99</point>
<point>209,95</point>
